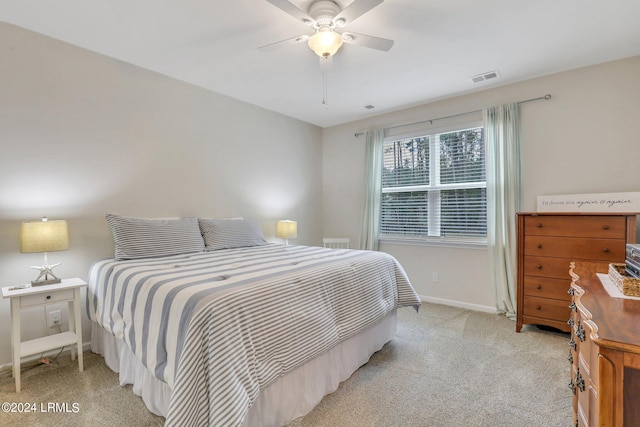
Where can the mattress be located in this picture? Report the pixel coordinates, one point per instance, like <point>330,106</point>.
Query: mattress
<point>220,327</point>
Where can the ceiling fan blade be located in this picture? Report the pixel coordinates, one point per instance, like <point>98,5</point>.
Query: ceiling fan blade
<point>293,10</point>
<point>354,11</point>
<point>372,42</point>
<point>288,42</point>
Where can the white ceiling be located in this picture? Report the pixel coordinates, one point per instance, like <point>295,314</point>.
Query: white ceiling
<point>439,44</point>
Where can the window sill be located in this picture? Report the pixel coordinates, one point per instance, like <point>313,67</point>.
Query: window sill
<point>435,242</point>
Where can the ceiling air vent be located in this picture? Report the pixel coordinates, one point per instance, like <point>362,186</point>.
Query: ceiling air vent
<point>367,107</point>
<point>485,76</point>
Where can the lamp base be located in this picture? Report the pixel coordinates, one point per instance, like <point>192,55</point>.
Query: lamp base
<point>45,282</point>
<point>46,276</point>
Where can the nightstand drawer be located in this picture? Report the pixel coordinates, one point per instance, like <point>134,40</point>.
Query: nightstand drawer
<point>46,298</point>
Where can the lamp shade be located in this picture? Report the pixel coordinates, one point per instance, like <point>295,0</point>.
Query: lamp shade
<point>44,236</point>
<point>325,42</point>
<point>287,229</point>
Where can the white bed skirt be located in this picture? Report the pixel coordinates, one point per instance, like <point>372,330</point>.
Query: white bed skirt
<point>290,397</point>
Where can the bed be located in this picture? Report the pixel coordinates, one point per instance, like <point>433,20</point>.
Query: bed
<point>215,326</point>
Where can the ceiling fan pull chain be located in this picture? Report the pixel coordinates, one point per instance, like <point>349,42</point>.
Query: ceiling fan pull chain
<point>324,90</point>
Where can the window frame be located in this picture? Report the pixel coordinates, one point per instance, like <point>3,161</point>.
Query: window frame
<point>431,188</point>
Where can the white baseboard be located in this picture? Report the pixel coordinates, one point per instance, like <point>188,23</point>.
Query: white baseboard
<point>468,306</point>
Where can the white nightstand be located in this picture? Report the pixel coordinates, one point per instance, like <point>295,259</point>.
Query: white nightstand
<point>69,291</point>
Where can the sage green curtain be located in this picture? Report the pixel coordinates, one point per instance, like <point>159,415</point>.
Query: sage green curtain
<point>373,190</point>
<point>501,124</point>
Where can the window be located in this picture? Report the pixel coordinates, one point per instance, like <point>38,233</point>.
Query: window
<point>434,187</point>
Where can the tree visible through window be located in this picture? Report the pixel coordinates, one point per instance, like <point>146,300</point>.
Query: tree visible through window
<point>434,186</point>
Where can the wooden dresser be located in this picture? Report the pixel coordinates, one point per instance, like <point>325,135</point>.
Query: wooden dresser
<point>547,243</point>
<point>604,353</point>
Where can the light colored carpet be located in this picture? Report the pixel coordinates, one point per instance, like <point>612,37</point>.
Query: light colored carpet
<point>445,367</point>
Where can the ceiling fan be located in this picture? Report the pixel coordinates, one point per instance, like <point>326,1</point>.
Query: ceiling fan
<point>325,17</point>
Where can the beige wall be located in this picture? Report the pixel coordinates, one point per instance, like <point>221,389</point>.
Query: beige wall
<point>583,140</point>
<point>82,135</point>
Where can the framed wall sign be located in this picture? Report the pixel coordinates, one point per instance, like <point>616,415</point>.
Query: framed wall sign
<point>603,202</point>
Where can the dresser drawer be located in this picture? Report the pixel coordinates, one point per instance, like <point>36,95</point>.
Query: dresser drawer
<point>608,227</point>
<point>547,308</point>
<point>587,406</point>
<point>588,352</point>
<point>546,267</point>
<point>547,288</point>
<point>46,298</point>
<point>576,248</point>
<point>587,356</point>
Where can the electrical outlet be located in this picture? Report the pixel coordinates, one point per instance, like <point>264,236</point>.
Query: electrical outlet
<point>435,277</point>
<point>54,318</point>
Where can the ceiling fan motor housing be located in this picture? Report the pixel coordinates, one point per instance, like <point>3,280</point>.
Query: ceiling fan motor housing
<point>323,12</point>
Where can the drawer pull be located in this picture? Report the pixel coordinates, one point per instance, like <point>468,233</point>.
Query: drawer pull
<point>538,307</point>
<point>570,358</point>
<point>539,267</point>
<point>48,296</point>
<point>572,386</point>
<point>570,322</point>
<point>606,250</point>
<point>573,345</point>
<point>580,332</point>
<point>571,291</point>
<point>573,307</point>
<point>539,245</point>
<point>605,227</point>
<point>539,225</point>
<point>539,287</point>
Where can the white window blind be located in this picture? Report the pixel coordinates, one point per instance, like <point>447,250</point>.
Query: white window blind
<point>434,187</point>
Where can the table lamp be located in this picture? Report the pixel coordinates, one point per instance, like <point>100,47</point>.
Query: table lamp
<point>44,236</point>
<point>287,230</point>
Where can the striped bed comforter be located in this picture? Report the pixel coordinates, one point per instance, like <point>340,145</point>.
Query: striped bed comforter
<point>217,327</point>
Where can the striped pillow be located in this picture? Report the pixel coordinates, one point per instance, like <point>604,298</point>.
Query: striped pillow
<point>230,233</point>
<point>149,238</point>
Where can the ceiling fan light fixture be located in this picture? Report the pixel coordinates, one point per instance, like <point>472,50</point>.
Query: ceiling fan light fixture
<point>325,42</point>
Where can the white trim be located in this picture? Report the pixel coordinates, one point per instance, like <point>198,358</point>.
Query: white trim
<point>421,129</point>
<point>433,191</point>
<point>459,304</point>
<point>432,187</point>
<point>471,243</point>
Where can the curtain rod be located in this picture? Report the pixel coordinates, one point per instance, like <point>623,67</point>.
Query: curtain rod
<point>430,121</point>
